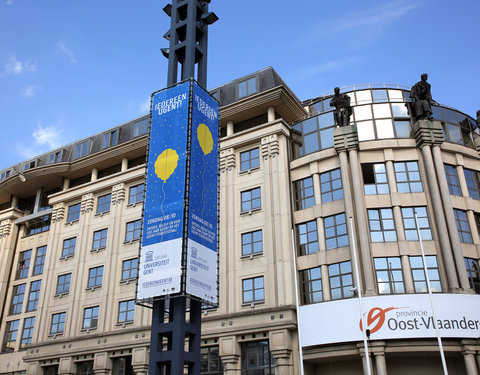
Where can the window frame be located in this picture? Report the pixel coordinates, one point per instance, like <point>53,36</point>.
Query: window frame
<point>252,243</point>
<point>254,202</point>
<point>337,232</point>
<point>73,213</point>
<point>304,246</point>
<point>103,204</point>
<point>391,273</point>
<point>95,277</point>
<point>472,266</point>
<point>379,184</point>
<point>309,285</point>
<point>129,270</point>
<point>254,280</point>
<point>380,223</point>
<point>249,81</point>
<point>420,269</point>
<point>453,181</point>
<point>473,183</point>
<point>33,295</point>
<point>88,321</point>
<point>409,225</point>
<point>101,241</point>
<point>461,222</point>
<point>57,321</point>
<point>304,193</point>
<point>344,288</point>
<point>126,311</point>
<point>133,234</point>
<point>65,284</point>
<point>136,195</point>
<point>16,302</point>
<point>408,177</point>
<point>27,340</point>
<point>253,161</point>
<point>331,185</point>
<point>39,260</point>
<point>68,241</point>
<point>23,270</point>
<point>11,332</point>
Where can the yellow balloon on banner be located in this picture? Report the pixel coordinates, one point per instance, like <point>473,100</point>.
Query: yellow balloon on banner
<point>166,164</point>
<point>205,138</point>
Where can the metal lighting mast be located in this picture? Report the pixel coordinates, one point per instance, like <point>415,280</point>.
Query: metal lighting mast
<point>176,318</point>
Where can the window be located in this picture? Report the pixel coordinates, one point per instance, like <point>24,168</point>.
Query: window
<point>126,311</point>
<point>90,317</point>
<point>375,179</point>
<point>39,225</point>
<point>133,231</point>
<point>23,264</point>
<point>210,362</point>
<point>85,368</point>
<point>477,222</point>
<point>307,237</point>
<point>81,149</point>
<point>73,212</point>
<point>55,157</point>
<point>407,175</point>
<point>95,276</point>
<point>257,358</point>
<point>462,226</point>
<point>252,243</point>
<point>58,323</point>
<point>103,204</point>
<point>10,338</point>
<point>39,261</point>
<point>251,200</point>
<point>140,127</point>
<point>17,299</point>
<point>50,370</point>
<point>63,284</point>
<point>473,184</point>
<point>418,273</point>
<point>311,285</point>
<point>100,239</point>
<point>110,138</point>
<point>249,160</point>
<point>331,186</point>
<point>409,223</point>
<point>136,194</point>
<point>27,333</point>
<point>341,280</point>
<point>335,231</point>
<point>33,295</point>
<point>129,269</point>
<point>389,275</point>
<point>473,272</point>
<point>122,366</point>
<point>253,290</point>
<point>68,249</point>
<point>304,194</point>
<point>247,87</point>
<point>452,180</point>
<point>382,227</point>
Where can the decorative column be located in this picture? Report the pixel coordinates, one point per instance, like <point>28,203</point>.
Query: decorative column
<point>271,114</point>
<point>140,361</point>
<point>230,354</point>
<point>470,365</point>
<point>102,364</point>
<point>361,350</point>
<point>281,348</point>
<point>229,128</point>
<point>94,176</point>
<point>66,366</point>
<point>124,164</point>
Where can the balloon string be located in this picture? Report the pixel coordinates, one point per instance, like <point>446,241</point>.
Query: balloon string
<point>161,208</point>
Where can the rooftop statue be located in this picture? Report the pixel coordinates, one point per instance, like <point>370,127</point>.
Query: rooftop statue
<point>478,118</point>
<point>422,99</point>
<point>343,110</point>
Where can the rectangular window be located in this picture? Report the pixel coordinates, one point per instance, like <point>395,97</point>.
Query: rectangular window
<point>58,323</point>
<point>210,362</point>
<point>418,273</point>
<point>90,318</point>
<point>110,138</point>
<point>23,264</point>
<point>17,299</point>
<point>249,160</point>
<point>251,200</point>
<point>126,311</point>
<point>103,204</point>
<point>311,285</point>
<point>331,186</point>
<point>382,227</point>
<point>95,277</point>
<point>257,358</point>
<point>473,183</point>
<point>473,272</point>
<point>33,295</point>
<point>407,175</point>
<point>452,180</point>
<point>136,194</point>
<point>252,243</point>
<point>85,368</point>
<point>409,223</point>
<point>73,212</point>
<point>335,231</point>
<point>122,366</point>
<point>10,338</point>
<point>341,280</point>
<point>129,269</point>
<point>304,194</point>
<point>389,275</point>
<point>133,230</point>
<point>63,284</point>
<point>100,239</point>
<point>68,249</point>
<point>462,226</point>
<point>375,179</point>
<point>81,149</point>
<point>307,237</point>
<point>39,260</point>
<point>247,87</point>
<point>55,157</point>
<point>140,127</point>
<point>253,290</point>
<point>27,333</point>
<point>39,225</point>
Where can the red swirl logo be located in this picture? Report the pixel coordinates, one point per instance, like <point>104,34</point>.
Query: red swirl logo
<point>377,316</point>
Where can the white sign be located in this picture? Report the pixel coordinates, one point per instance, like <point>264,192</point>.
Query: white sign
<point>390,317</point>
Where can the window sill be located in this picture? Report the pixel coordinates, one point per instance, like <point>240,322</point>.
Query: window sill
<point>250,212</point>
<point>66,257</point>
<point>248,171</point>
<point>93,288</point>
<point>87,330</point>
<point>97,249</point>
<point>55,335</point>
<point>131,241</point>
<point>135,204</point>
<point>100,214</point>
<point>72,222</point>
<point>251,256</point>
<point>60,295</point>
<point>128,281</point>
<point>253,304</point>
<point>124,324</point>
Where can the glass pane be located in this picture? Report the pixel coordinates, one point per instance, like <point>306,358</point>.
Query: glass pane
<point>395,95</point>
<point>362,113</point>
<point>363,96</point>
<point>379,96</point>
<point>454,134</point>
<point>402,128</point>
<point>365,130</point>
<point>310,125</point>
<point>381,110</point>
<point>326,138</point>
<point>326,120</point>
<point>311,143</point>
<point>384,129</point>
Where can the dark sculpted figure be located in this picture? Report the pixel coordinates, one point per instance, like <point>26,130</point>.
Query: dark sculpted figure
<point>422,99</point>
<point>343,110</point>
<point>478,118</point>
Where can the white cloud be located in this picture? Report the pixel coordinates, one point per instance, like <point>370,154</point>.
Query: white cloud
<point>29,91</point>
<point>9,2</point>
<point>328,66</point>
<point>50,136</point>
<point>145,106</point>
<point>61,46</point>
<point>16,67</point>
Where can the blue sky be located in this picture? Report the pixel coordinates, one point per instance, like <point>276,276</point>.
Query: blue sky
<point>69,69</point>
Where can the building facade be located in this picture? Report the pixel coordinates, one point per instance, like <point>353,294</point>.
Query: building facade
<point>70,226</point>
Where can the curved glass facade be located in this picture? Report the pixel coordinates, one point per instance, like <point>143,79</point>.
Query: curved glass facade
<point>378,113</point>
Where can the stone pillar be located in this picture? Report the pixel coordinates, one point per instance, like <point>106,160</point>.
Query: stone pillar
<point>229,128</point>
<point>317,191</point>
<point>271,114</point>
<point>66,366</point>
<point>124,164</point>
<point>230,353</point>
<point>94,174</point>
<point>140,361</point>
<point>281,348</point>
<point>38,198</point>
<point>407,274</point>
<point>14,203</point>
<point>66,183</point>
<point>470,365</point>
<point>325,283</point>
<point>380,364</point>
<point>102,364</point>
<point>361,350</point>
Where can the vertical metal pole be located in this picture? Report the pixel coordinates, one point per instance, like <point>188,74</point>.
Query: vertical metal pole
<point>360,304</point>
<point>439,339</point>
<point>297,304</point>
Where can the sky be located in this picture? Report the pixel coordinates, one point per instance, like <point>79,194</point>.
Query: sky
<point>71,68</point>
